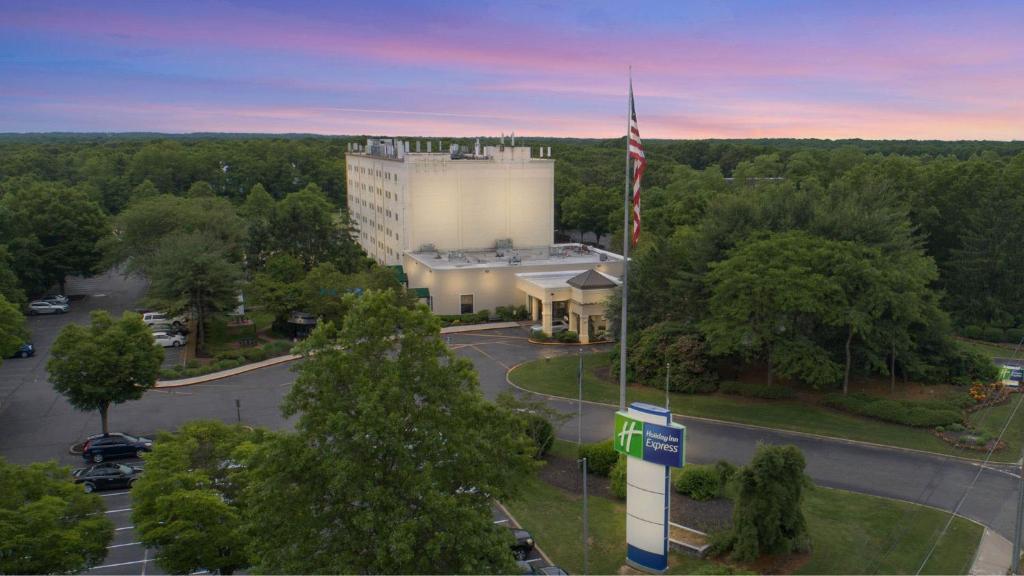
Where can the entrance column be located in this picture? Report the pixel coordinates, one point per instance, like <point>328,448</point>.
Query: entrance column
<point>574,324</point>
<point>584,329</point>
<point>534,308</point>
<point>546,319</point>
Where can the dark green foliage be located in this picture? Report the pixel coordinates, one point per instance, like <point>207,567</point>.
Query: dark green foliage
<point>618,477</point>
<point>774,392</point>
<point>767,518</point>
<point>567,337</point>
<point>666,342</point>
<point>698,482</point>
<point>540,430</point>
<point>48,525</point>
<point>909,413</point>
<point>601,457</point>
<point>12,328</point>
<point>396,457</point>
<point>510,313</point>
<point>109,362</point>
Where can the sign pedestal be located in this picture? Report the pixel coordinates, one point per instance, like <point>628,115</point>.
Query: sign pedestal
<point>654,445</point>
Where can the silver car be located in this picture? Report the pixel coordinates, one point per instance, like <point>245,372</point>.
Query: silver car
<point>169,340</point>
<point>44,307</point>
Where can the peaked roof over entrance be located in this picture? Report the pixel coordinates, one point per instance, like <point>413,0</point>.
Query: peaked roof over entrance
<point>591,279</point>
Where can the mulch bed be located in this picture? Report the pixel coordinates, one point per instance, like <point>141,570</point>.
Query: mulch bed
<point>710,516</point>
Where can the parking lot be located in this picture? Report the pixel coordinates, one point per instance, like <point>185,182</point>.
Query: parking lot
<point>125,554</point>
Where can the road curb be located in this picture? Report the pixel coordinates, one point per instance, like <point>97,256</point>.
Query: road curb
<point>757,427</point>
<point>161,384</point>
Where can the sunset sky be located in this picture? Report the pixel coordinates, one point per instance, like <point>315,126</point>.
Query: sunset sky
<point>707,69</point>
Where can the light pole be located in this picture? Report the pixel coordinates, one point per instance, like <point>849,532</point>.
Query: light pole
<point>579,404</point>
<point>1015,561</point>
<point>586,536</point>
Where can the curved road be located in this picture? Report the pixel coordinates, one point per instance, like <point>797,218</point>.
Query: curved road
<point>37,424</point>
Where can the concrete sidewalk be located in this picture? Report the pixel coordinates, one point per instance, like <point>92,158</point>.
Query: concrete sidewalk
<point>290,357</point>
<point>993,555</point>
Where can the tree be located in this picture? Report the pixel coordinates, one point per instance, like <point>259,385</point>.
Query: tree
<point>588,208</point>
<point>60,225</point>
<point>191,271</point>
<point>278,288</point>
<point>767,518</point>
<point>12,329</point>
<point>109,362</point>
<point>258,213</point>
<point>48,525</point>
<point>306,225</point>
<point>396,456</point>
<point>188,505</point>
<point>200,189</point>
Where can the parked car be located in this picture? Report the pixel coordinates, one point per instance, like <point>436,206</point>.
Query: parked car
<point>165,327</point>
<point>44,307</point>
<point>24,351</point>
<point>106,476</point>
<point>523,543</point>
<point>57,298</point>
<point>115,445</point>
<point>151,318</point>
<point>168,340</point>
<point>556,327</point>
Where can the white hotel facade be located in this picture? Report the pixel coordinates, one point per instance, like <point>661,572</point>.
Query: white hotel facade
<point>474,231</point>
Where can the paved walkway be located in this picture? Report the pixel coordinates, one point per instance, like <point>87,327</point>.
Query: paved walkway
<point>993,556</point>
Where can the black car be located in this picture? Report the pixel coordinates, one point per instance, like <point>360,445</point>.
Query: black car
<point>115,445</point>
<point>523,543</point>
<point>106,476</point>
<point>24,351</point>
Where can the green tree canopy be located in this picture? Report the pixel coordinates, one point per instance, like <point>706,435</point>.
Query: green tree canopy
<point>12,328</point>
<point>396,456</point>
<point>188,505</point>
<point>48,525</point>
<point>108,362</point>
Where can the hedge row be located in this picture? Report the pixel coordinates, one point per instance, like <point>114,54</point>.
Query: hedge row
<point>756,390</point>
<point>480,317</point>
<point>704,482</point>
<point>565,336</point>
<point>907,413</point>
<point>227,360</point>
<point>993,334</point>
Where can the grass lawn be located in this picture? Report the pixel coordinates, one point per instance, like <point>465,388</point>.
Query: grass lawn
<point>993,419</point>
<point>851,533</point>
<point>557,376</point>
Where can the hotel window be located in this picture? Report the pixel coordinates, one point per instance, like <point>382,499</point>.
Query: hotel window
<point>466,302</point>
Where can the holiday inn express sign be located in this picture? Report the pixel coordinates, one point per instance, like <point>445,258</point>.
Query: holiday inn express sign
<point>654,445</point>
<point>650,442</point>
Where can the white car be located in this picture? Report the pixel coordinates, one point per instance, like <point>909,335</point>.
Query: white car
<point>556,327</point>
<point>168,340</point>
<point>44,307</point>
<point>151,318</point>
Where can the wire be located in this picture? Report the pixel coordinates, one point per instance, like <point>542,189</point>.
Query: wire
<point>969,487</point>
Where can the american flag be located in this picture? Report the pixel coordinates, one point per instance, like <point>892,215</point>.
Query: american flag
<point>636,154</point>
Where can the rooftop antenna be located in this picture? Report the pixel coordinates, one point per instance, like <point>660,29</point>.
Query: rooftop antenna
<point>513,139</point>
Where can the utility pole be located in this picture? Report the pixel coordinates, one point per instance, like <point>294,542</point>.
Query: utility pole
<point>586,520</point>
<point>238,410</point>
<point>1015,561</point>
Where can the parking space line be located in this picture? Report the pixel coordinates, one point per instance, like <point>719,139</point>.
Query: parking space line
<point>123,545</point>
<point>125,528</point>
<point>119,510</point>
<point>121,564</point>
<point>502,521</point>
<point>114,494</point>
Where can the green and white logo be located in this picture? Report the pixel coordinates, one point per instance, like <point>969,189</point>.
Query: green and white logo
<point>629,436</point>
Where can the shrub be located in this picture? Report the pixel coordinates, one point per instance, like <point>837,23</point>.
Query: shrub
<point>601,457</point>
<point>940,429</point>
<point>193,363</point>
<point>756,390</point>
<point>568,336</point>
<point>993,334</point>
<point>725,472</point>
<point>974,332</point>
<point>908,413</point>
<point>255,354</point>
<point>618,478</point>
<point>277,348</point>
<point>698,482</point>
<point>671,342</point>
<point>541,431</point>
<point>1014,335</point>
<point>955,427</point>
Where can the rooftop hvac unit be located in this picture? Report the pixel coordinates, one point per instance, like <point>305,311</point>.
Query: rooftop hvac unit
<point>503,244</point>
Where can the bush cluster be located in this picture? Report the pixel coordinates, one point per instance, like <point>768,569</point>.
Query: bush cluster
<point>480,317</point>
<point>756,390</point>
<point>227,360</point>
<point>565,336</point>
<point>670,342</point>
<point>618,478</point>
<point>511,313</point>
<point>601,457</point>
<point>908,413</point>
<point>993,333</point>
<point>704,482</point>
<point>542,432</point>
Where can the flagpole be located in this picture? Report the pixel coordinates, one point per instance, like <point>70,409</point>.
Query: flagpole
<point>625,256</point>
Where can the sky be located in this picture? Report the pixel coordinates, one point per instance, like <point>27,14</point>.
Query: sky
<point>701,69</point>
